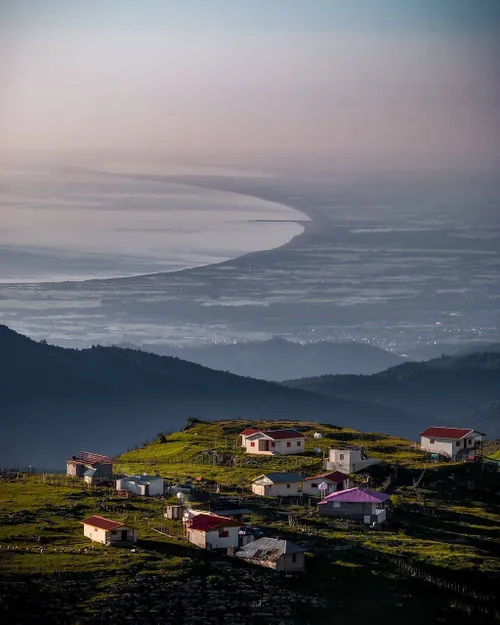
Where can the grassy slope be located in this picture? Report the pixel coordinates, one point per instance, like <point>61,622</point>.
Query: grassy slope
<point>180,456</point>
<point>448,529</point>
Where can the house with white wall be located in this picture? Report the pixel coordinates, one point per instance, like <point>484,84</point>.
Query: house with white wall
<point>77,465</point>
<point>278,485</point>
<point>211,531</point>
<point>333,480</point>
<point>274,442</point>
<point>273,553</point>
<point>357,504</point>
<point>453,443</point>
<point>245,433</point>
<point>108,532</point>
<point>143,485</point>
<point>349,460</point>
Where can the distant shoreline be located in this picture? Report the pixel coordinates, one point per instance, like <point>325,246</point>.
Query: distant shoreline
<point>60,255</point>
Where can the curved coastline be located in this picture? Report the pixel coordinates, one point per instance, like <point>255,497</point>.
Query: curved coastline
<point>303,220</point>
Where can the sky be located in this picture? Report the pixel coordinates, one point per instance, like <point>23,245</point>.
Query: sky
<point>401,79</point>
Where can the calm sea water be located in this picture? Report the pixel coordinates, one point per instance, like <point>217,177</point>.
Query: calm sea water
<point>58,226</point>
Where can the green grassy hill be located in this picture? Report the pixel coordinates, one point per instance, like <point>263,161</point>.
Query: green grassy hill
<point>436,561</point>
<point>190,453</point>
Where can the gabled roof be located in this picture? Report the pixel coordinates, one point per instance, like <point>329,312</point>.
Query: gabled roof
<point>278,434</point>
<point>86,457</point>
<point>268,549</point>
<point>444,432</point>
<point>102,523</point>
<point>281,478</point>
<point>248,431</point>
<point>356,495</point>
<point>206,521</point>
<point>333,476</point>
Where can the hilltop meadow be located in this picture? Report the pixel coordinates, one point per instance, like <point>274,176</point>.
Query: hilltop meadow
<point>437,560</point>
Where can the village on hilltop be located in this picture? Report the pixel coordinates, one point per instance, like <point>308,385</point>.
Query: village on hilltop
<point>341,491</point>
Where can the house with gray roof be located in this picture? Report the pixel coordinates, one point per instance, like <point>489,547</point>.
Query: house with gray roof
<point>273,553</point>
<point>278,485</point>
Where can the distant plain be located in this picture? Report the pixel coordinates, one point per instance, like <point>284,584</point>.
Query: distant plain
<point>396,259</point>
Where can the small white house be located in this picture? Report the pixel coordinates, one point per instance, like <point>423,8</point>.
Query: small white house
<point>108,532</point>
<point>280,555</point>
<point>145,485</point>
<point>245,433</point>
<point>454,443</point>
<point>211,531</point>
<point>278,485</point>
<point>274,442</point>
<point>334,481</point>
<point>349,460</point>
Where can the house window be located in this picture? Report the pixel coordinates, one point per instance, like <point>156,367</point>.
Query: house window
<point>273,444</point>
<point>294,557</point>
<point>298,443</point>
<point>223,533</point>
<point>288,485</point>
<point>113,532</point>
<point>96,529</point>
<point>252,444</point>
<point>470,441</point>
<point>314,485</point>
<point>341,456</point>
<point>289,444</point>
<point>457,443</point>
<point>432,441</point>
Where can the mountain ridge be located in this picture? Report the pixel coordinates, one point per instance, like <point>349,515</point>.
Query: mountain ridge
<point>58,400</point>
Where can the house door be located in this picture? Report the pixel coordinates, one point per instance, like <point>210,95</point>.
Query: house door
<point>124,535</point>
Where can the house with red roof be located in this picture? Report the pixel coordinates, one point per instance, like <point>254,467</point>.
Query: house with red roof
<point>273,442</point>
<point>108,532</point>
<point>453,443</point>
<point>357,504</point>
<point>212,531</point>
<point>325,483</point>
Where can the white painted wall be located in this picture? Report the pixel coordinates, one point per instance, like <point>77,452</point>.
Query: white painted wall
<point>132,486</point>
<point>349,460</point>
<point>289,489</point>
<point>213,539</point>
<point>311,487</point>
<point>98,535</point>
<point>267,447</point>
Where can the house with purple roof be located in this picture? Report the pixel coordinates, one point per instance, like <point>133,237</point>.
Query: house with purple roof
<point>357,504</point>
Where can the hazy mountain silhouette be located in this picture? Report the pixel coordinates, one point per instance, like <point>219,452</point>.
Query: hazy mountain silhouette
<point>56,401</point>
<point>450,389</point>
<point>278,359</point>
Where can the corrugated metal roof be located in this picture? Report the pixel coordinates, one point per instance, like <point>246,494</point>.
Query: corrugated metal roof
<point>440,431</point>
<point>333,476</point>
<point>281,478</point>
<point>102,523</point>
<point>268,548</point>
<point>278,434</point>
<point>356,495</point>
<point>205,522</point>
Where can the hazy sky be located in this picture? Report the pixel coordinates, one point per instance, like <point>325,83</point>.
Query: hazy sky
<point>417,78</point>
